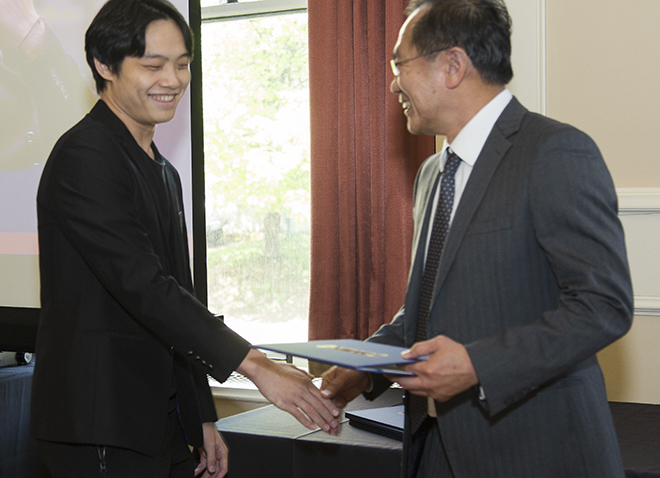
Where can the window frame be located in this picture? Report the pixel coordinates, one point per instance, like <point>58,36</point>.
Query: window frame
<point>261,7</point>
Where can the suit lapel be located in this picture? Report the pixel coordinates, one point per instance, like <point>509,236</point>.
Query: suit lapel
<point>137,157</point>
<point>494,150</point>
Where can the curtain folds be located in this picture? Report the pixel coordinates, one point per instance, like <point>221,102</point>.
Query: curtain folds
<point>363,165</point>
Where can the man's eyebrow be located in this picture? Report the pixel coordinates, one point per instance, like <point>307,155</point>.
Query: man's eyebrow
<point>156,56</point>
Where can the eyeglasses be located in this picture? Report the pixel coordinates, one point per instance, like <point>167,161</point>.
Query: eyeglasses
<point>395,64</point>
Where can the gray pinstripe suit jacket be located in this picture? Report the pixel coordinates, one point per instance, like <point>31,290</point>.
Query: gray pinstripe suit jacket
<point>534,281</point>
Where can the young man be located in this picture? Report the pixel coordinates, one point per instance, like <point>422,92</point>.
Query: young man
<point>124,347</point>
<point>519,272</point>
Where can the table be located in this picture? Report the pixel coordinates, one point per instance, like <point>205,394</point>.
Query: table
<point>269,442</point>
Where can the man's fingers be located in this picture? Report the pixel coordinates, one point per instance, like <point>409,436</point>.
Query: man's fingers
<point>342,385</point>
<point>311,409</point>
<point>420,349</point>
<point>223,464</point>
<point>211,462</point>
<point>300,416</point>
<point>321,411</point>
<point>202,464</point>
<point>291,390</point>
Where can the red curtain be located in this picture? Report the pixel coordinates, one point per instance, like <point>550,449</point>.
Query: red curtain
<point>363,165</point>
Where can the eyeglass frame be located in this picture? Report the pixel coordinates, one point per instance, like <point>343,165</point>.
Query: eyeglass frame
<point>395,64</point>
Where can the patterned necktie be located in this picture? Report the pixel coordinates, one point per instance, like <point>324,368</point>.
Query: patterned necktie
<point>419,405</point>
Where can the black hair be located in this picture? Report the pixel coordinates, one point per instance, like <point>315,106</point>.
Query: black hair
<point>481,27</point>
<point>118,30</point>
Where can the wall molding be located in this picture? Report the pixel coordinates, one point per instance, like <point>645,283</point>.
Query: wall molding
<point>634,201</point>
<point>647,306</point>
<point>639,210</point>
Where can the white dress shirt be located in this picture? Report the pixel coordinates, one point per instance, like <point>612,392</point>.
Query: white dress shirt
<point>467,146</point>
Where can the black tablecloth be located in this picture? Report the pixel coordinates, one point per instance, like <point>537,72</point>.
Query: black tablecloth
<point>638,428</point>
<point>269,442</point>
<point>19,457</point>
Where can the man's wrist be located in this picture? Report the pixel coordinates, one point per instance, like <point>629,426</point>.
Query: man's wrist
<point>252,364</point>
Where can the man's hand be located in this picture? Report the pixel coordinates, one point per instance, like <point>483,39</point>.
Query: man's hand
<point>213,455</point>
<point>342,385</point>
<point>292,390</point>
<point>447,372</point>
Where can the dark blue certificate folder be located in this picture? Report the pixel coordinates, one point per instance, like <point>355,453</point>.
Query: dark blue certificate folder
<point>387,421</point>
<point>355,354</point>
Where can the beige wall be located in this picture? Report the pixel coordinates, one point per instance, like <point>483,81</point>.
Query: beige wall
<point>603,75</point>
<point>631,365</point>
<point>602,71</point>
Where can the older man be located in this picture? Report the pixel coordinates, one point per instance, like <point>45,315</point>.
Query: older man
<point>519,272</point>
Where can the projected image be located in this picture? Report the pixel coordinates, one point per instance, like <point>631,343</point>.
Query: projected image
<point>46,87</point>
<point>43,87</point>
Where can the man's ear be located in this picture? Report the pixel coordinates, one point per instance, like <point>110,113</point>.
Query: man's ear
<point>457,65</point>
<point>104,70</point>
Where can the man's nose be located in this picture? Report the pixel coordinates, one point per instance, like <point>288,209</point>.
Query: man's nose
<point>394,87</point>
<point>170,77</point>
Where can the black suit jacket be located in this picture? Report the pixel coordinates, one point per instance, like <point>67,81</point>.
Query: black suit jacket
<point>120,327</point>
<point>533,281</point>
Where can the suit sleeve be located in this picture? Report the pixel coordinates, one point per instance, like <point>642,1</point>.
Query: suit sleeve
<point>573,208</point>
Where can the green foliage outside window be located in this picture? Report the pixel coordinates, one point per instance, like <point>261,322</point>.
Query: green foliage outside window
<point>256,127</point>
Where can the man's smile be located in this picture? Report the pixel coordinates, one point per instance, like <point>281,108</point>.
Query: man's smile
<point>163,98</point>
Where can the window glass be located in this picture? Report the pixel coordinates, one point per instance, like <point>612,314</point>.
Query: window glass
<point>256,148</point>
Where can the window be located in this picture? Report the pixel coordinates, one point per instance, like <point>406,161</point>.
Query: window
<point>257,181</point>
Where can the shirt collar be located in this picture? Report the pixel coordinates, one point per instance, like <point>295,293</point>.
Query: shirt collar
<point>471,139</point>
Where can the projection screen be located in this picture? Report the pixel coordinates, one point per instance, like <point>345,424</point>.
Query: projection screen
<point>45,88</point>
